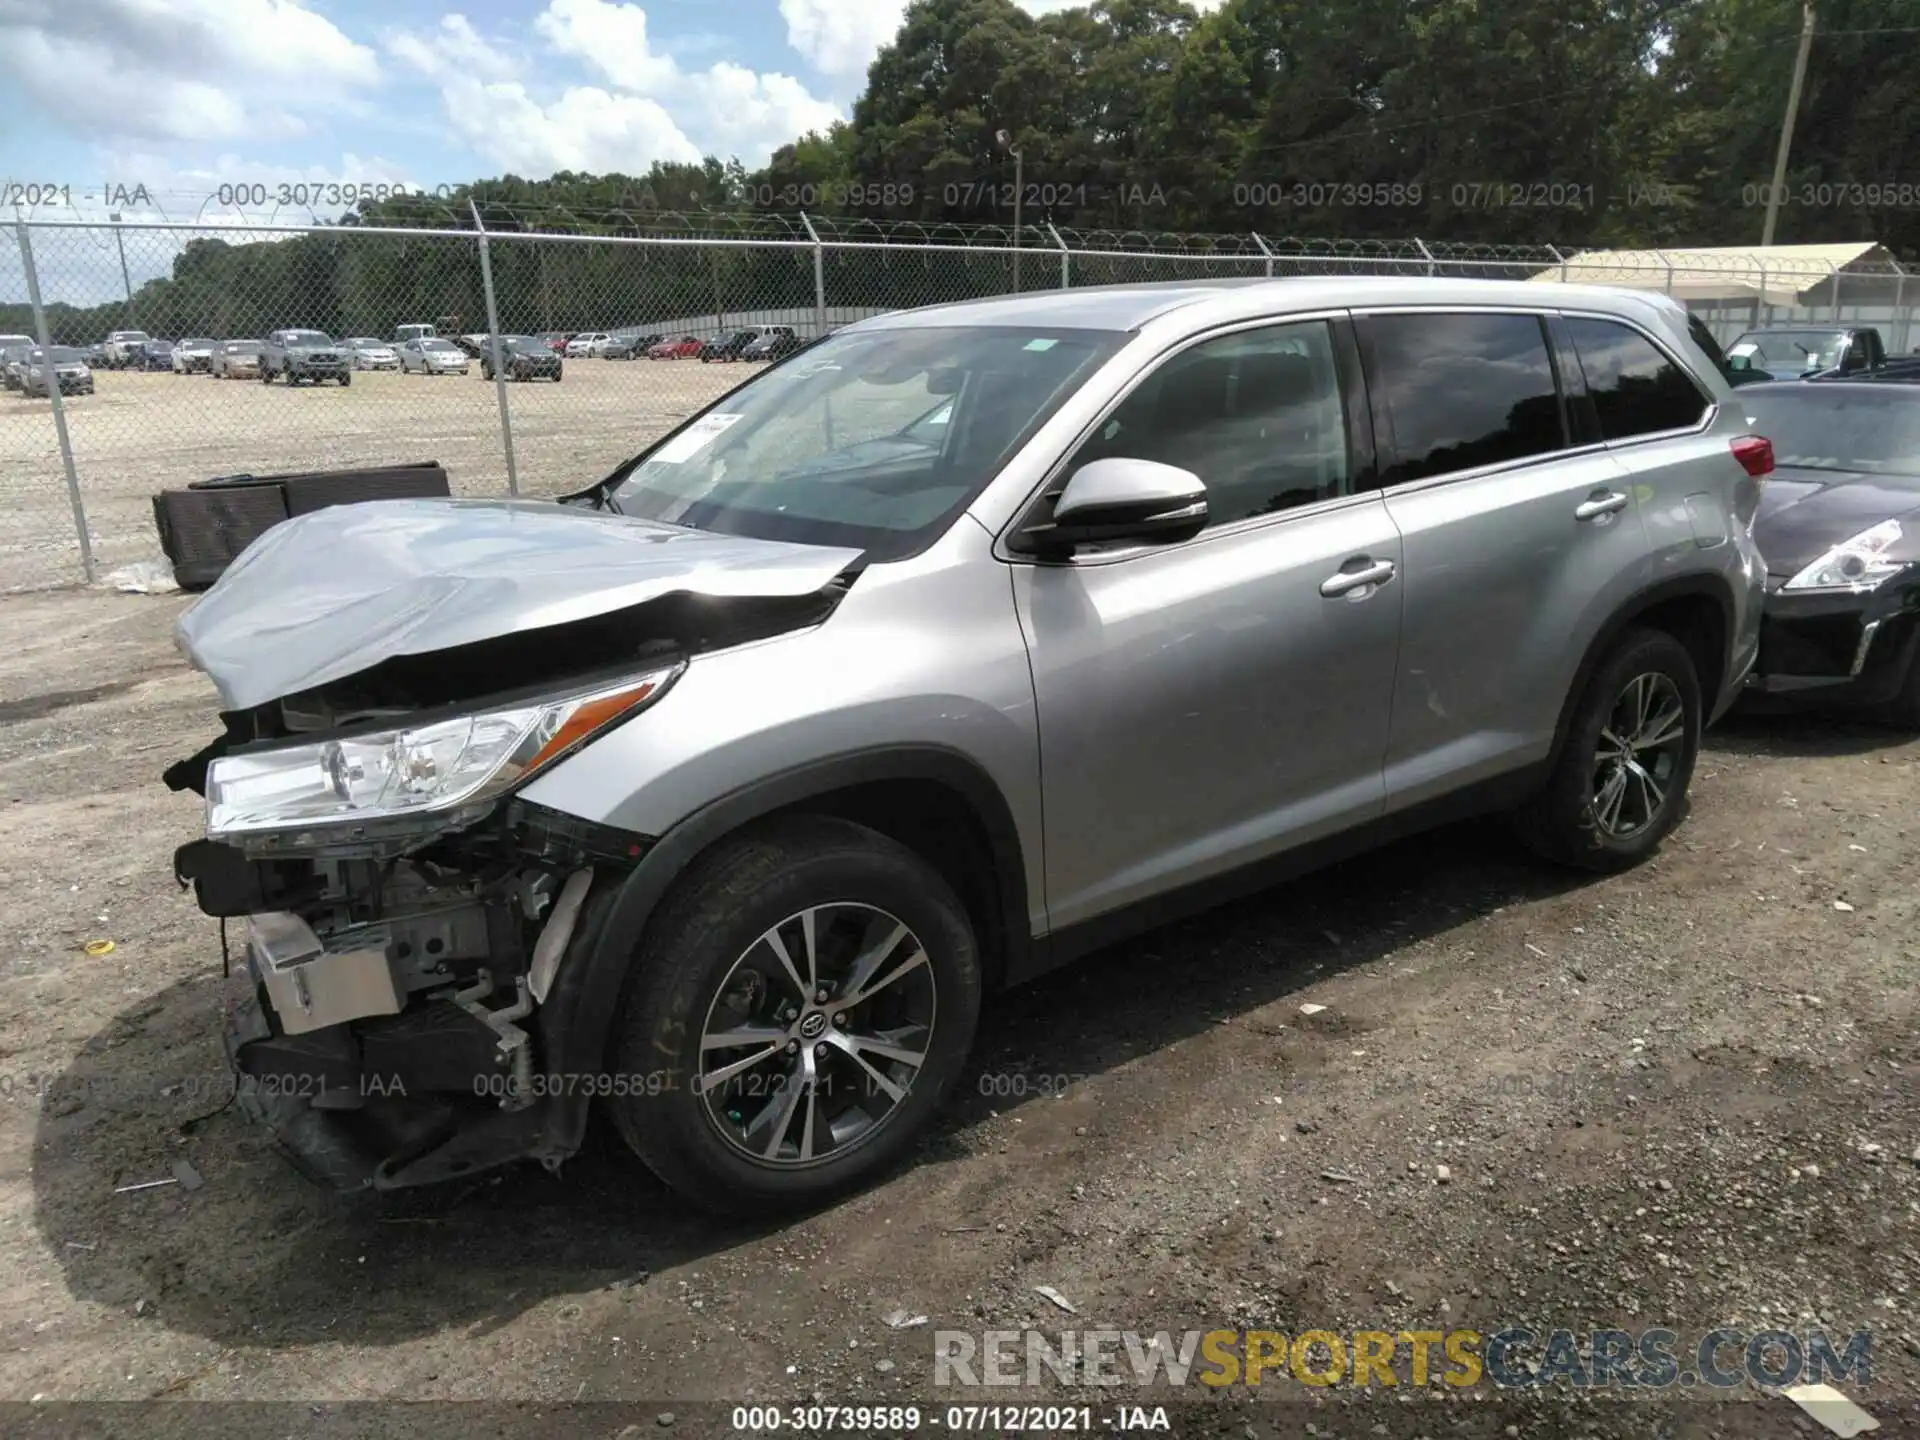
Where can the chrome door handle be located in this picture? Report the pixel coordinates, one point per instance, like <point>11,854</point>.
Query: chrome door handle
<point>1600,503</point>
<point>1342,581</point>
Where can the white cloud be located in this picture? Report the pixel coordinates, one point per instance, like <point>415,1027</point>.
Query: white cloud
<point>841,37</point>
<point>648,107</point>
<point>201,69</point>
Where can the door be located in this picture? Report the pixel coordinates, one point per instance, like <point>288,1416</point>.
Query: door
<point>1207,704</point>
<point>1518,543</point>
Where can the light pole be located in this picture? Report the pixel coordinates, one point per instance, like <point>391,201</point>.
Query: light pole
<point>1006,142</point>
<point>125,281</point>
<point>1786,127</point>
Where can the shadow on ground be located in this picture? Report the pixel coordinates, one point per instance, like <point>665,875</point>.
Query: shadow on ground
<point>257,1257</point>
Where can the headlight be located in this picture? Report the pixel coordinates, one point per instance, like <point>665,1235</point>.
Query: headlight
<point>1858,564</point>
<point>452,770</point>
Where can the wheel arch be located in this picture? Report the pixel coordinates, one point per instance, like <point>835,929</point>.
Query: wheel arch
<point>1697,610</point>
<point>936,801</point>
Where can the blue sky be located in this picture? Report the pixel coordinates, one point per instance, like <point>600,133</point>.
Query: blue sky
<point>186,96</point>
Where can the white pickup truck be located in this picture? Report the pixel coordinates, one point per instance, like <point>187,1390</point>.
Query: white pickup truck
<point>120,346</point>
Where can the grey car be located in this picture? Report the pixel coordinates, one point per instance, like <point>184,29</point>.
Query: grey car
<point>235,360</point>
<point>967,641</point>
<point>304,355</point>
<point>430,356</point>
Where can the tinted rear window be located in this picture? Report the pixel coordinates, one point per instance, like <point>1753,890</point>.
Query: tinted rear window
<point>1840,427</point>
<point>1636,389</point>
<point>1461,391</point>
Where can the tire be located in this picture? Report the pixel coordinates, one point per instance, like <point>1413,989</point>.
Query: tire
<point>1903,711</point>
<point>345,380</point>
<point>700,940</point>
<point>266,375</point>
<point>1567,820</point>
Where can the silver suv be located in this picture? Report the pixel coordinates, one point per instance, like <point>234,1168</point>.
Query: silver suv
<point>962,642</point>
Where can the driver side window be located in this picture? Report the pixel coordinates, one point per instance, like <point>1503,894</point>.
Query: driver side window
<point>1256,415</point>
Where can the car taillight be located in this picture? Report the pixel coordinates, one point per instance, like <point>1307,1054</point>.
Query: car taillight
<point>1755,454</point>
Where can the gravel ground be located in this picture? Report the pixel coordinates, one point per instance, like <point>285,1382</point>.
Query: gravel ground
<point>1683,1097</point>
<point>141,433</point>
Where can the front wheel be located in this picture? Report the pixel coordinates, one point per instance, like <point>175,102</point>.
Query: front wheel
<point>1620,782</point>
<point>797,1010</point>
<point>345,380</point>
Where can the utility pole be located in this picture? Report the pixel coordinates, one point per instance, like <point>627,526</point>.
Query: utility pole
<point>125,281</point>
<point>1786,127</point>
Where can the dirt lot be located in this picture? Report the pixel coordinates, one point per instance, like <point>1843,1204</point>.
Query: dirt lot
<point>141,433</point>
<point>1654,1096</point>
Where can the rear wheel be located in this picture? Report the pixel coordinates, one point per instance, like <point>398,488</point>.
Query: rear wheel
<point>798,1008</point>
<point>1621,780</point>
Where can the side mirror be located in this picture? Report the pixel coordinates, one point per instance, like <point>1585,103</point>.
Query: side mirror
<point>1122,500</point>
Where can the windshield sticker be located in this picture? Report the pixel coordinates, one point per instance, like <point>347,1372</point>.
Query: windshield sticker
<point>1040,344</point>
<point>1745,347</point>
<point>695,438</point>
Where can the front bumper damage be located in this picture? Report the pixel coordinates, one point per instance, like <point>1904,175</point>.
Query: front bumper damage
<point>1843,650</point>
<point>395,1020</point>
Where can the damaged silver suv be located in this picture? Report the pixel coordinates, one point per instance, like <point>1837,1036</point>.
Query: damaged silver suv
<point>958,644</point>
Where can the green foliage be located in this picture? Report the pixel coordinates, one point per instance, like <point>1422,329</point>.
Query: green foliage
<point>1612,122</point>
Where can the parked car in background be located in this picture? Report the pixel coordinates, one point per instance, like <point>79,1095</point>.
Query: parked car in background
<point>588,342</point>
<point>96,355</point>
<point>469,345</point>
<point>303,355</point>
<point>1190,546</point>
<point>1788,352</point>
<point>120,345</point>
<point>13,364</point>
<point>62,365</point>
<point>193,356</point>
<point>403,333</point>
<point>371,354</point>
<point>522,357</point>
<point>727,347</point>
<point>1839,525</point>
<point>776,342</point>
<point>7,342</point>
<point>555,340</point>
<point>151,355</point>
<point>629,347</point>
<point>435,357</point>
<point>235,360</point>
<point>686,345</point>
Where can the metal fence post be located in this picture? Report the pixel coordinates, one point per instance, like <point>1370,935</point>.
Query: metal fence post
<point>1559,260</point>
<point>1900,326</point>
<point>493,344</point>
<point>1426,253</point>
<point>1835,282</point>
<point>1669,264</point>
<point>1760,296</point>
<point>1066,259</point>
<point>1268,254</point>
<point>53,392</point>
<point>819,277</point>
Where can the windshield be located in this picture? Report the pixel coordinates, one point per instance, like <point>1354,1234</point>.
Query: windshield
<point>1819,427</point>
<point>830,448</point>
<point>308,337</point>
<point>1791,352</point>
<point>439,346</point>
<point>243,347</point>
<point>62,355</point>
<point>196,344</point>
<point>367,342</point>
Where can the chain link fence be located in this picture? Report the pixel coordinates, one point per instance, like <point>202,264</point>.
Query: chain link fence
<point>647,325</point>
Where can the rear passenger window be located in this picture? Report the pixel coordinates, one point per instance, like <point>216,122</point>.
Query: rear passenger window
<point>1636,389</point>
<point>1461,391</point>
<point>1256,415</point>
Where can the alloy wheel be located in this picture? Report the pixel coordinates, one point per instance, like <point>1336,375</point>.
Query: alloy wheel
<point>1639,755</point>
<point>817,1034</point>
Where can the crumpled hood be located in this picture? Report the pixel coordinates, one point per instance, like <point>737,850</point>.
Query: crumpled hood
<point>328,594</point>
